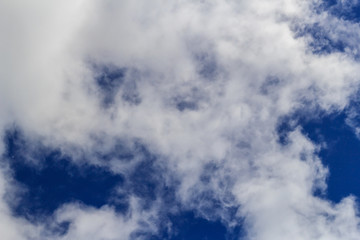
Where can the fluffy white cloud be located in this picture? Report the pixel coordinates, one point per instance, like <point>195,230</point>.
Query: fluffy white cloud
<point>104,223</point>
<point>236,66</point>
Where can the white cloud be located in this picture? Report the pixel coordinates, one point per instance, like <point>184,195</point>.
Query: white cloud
<point>104,223</point>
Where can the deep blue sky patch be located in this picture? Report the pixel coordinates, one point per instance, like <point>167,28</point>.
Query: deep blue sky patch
<point>347,10</point>
<point>145,182</point>
<point>187,225</point>
<point>57,181</point>
<point>341,154</point>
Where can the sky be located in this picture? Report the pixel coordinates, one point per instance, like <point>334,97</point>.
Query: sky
<point>180,120</point>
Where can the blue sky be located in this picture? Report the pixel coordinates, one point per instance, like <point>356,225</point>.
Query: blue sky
<point>180,120</point>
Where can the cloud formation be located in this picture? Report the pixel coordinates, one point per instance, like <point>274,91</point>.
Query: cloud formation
<point>202,86</point>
